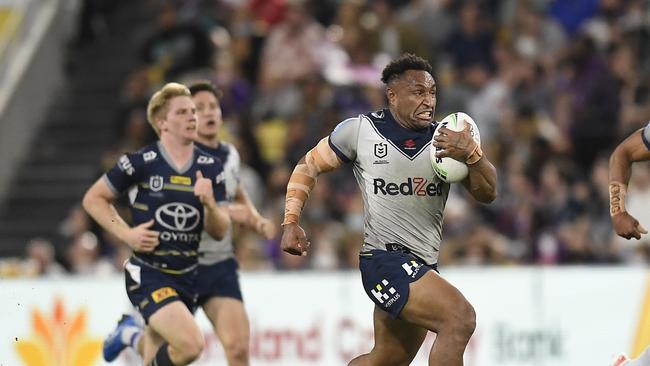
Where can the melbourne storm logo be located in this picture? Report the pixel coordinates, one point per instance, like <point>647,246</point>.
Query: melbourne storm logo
<point>178,216</point>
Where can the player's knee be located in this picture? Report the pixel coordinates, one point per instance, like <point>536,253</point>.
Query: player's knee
<point>190,348</point>
<point>463,322</point>
<point>236,349</point>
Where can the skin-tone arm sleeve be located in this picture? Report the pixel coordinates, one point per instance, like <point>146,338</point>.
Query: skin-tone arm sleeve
<point>320,159</point>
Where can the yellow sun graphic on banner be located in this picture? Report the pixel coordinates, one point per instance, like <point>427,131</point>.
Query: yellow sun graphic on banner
<point>59,340</point>
<point>642,339</point>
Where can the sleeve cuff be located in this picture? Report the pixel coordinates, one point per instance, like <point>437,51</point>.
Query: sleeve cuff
<point>110,184</point>
<point>338,152</point>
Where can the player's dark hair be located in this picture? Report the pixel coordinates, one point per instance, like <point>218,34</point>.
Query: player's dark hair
<point>204,85</point>
<point>407,61</point>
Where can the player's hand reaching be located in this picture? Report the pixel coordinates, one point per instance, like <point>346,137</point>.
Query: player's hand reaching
<point>294,240</point>
<point>265,227</point>
<point>239,213</point>
<point>242,214</point>
<point>627,226</point>
<point>141,239</point>
<point>203,189</point>
<point>458,145</point>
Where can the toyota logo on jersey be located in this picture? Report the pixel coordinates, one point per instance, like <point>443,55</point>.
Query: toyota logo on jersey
<point>178,216</point>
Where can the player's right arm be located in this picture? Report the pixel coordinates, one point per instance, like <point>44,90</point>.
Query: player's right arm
<point>98,202</point>
<point>329,154</point>
<point>320,159</point>
<point>634,148</point>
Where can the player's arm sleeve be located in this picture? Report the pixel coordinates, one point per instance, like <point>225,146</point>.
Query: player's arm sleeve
<point>321,159</point>
<point>123,174</point>
<point>344,139</point>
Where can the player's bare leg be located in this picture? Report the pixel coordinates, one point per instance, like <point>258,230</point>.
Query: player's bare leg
<point>396,342</point>
<point>438,306</point>
<point>139,347</point>
<point>175,324</point>
<point>149,344</point>
<point>230,322</point>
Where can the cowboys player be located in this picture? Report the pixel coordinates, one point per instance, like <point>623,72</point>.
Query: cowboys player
<point>217,284</point>
<point>174,188</point>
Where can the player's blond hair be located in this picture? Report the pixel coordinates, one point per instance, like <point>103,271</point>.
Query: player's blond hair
<point>159,102</point>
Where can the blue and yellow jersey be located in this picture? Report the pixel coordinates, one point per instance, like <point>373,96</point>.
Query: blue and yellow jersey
<point>158,190</point>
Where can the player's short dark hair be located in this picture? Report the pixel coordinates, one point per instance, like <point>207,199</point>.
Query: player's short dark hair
<point>407,61</point>
<point>204,85</point>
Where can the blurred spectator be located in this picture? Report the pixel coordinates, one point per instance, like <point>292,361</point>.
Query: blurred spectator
<point>94,19</point>
<point>292,49</point>
<point>177,47</point>
<point>534,36</point>
<point>594,102</point>
<point>435,22</point>
<point>83,257</point>
<point>40,257</point>
<point>396,37</point>
<point>471,43</point>
<point>572,14</point>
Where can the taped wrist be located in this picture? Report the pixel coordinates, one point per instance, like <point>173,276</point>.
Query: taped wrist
<point>474,156</point>
<point>318,160</point>
<point>617,191</point>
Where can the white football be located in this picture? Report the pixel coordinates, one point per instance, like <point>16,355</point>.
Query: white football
<point>448,169</point>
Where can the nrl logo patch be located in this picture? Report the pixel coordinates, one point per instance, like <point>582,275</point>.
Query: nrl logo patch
<point>156,183</point>
<point>381,149</point>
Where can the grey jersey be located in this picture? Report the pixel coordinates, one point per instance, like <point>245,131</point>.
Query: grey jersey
<point>212,251</point>
<point>403,198</point>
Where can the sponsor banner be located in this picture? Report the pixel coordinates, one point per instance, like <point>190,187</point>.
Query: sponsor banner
<point>525,317</point>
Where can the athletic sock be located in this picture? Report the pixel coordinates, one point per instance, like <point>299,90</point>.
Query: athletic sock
<point>162,357</point>
<point>130,336</point>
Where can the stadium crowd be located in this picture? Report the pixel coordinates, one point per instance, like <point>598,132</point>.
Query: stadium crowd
<point>553,86</point>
